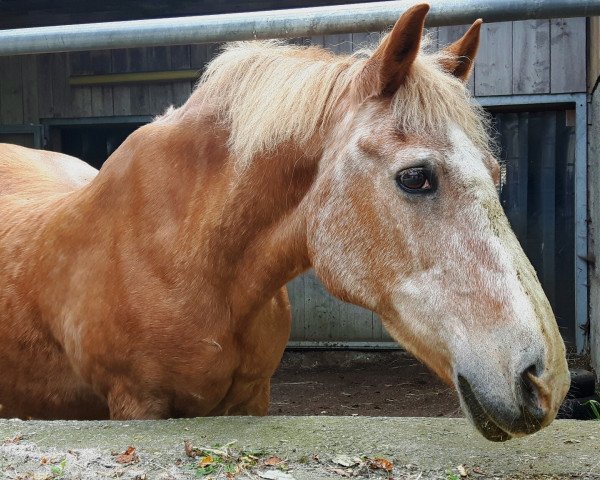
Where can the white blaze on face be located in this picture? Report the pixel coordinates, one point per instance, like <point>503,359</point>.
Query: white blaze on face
<point>476,259</point>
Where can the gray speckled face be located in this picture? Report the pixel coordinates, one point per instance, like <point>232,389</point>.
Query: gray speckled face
<point>443,268</point>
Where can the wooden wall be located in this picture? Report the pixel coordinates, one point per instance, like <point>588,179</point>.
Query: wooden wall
<point>594,191</point>
<point>520,58</point>
<point>515,58</point>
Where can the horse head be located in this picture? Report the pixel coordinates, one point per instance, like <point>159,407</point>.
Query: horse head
<point>405,220</point>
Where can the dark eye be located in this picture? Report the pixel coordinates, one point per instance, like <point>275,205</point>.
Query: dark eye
<point>415,180</point>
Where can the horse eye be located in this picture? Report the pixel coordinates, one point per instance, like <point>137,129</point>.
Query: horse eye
<point>415,180</point>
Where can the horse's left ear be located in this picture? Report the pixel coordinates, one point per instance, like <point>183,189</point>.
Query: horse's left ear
<point>461,54</point>
<point>385,71</point>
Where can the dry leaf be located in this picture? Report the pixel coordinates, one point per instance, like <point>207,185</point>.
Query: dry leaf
<point>189,450</point>
<point>128,456</point>
<point>478,471</point>
<point>206,460</point>
<point>43,461</point>
<point>274,460</point>
<point>13,441</point>
<point>381,464</point>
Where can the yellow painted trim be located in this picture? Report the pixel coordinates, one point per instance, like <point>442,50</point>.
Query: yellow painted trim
<point>134,77</point>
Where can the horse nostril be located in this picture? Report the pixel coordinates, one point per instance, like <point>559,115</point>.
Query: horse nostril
<point>526,376</point>
<point>530,393</point>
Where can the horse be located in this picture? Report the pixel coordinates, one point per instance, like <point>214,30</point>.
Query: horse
<point>155,288</point>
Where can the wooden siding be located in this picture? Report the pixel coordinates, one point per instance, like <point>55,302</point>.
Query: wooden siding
<point>527,57</point>
<point>594,49</point>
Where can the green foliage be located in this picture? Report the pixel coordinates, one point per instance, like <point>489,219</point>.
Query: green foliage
<point>594,406</point>
<point>452,476</point>
<point>59,470</point>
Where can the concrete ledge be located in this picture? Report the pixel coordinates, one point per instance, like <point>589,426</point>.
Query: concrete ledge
<point>418,447</point>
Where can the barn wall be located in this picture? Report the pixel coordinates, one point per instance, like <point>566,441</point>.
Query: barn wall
<point>594,228</point>
<point>594,191</point>
<point>527,57</point>
<point>515,58</point>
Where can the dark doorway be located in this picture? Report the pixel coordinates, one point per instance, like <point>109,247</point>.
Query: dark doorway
<point>538,155</point>
<point>92,143</point>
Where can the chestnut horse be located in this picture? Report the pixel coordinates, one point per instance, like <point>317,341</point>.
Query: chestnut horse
<point>155,287</point>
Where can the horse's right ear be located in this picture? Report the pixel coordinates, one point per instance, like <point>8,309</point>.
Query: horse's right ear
<point>385,71</point>
<point>461,54</point>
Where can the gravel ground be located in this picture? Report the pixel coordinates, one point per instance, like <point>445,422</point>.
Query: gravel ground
<point>286,448</point>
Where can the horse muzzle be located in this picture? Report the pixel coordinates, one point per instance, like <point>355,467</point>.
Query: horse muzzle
<point>529,408</point>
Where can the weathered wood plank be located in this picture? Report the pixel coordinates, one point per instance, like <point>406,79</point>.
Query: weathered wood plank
<point>317,40</point>
<point>29,68</point>
<point>300,41</point>
<point>60,97</point>
<point>159,96</point>
<point>512,130</point>
<point>44,85</point>
<point>355,324</point>
<point>79,99</point>
<point>365,40</point>
<point>124,61</point>
<point>594,62</point>
<point>11,91</point>
<point>180,60</point>
<point>567,55</point>
<point>321,310</point>
<point>339,43</point>
<point>296,292</point>
<point>548,202</point>
<point>493,67</point>
<point>121,94</point>
<point>200,55</point>
<point>102,97</point>
<point>138,94</point>
<point>531,57</point>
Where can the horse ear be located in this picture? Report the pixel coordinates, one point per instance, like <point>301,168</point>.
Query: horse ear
<point>385,71</point>
<point>461,54</point>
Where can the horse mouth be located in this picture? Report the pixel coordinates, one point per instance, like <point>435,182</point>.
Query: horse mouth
<point>481,418</point>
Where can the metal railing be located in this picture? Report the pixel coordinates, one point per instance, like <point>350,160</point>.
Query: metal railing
<point>290,23</point>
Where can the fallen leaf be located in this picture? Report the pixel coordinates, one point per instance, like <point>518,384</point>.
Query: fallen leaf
<point>462,470</point>
<point>43,461</point>
<point>274,460</point>
<point>206,460</point>
<point>128,456</point>
<point>478,471</point>
<point>189,450</point>
<point>381,464</point>
<point>13,441</point>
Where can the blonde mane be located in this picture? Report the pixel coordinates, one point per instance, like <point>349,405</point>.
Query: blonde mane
<point>269,92</point>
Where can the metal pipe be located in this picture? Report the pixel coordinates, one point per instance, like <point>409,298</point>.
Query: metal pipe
<point>363,17</point>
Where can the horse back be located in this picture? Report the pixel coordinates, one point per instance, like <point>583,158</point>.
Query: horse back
<point>27,173</point>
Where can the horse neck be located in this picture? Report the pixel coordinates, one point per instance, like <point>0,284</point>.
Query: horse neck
<point>172,192</point>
